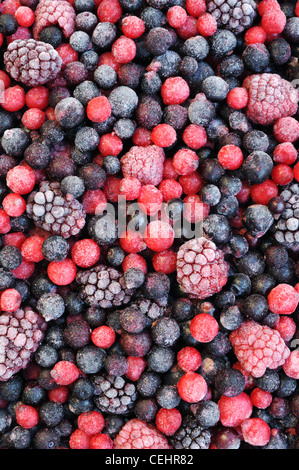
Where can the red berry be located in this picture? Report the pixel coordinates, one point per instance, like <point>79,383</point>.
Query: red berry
<point>101,441</point>
<point>282,174</point>
<point>262,193</point>
<point>256,431</point>
<point>196,7</point>
<point>206,25</point>
<point>189,359</point>
<point>237,98</point>
<point>25,16</point>
<point>192,387</point>
<point>283,299</point>
<point>266,5</point>
<point>234,410</point>
<point>163,135</point>
<point>15,239</point>
<point>37,97</point>
<point>67,54</point>
<point>185,161</point>
<point>136,366</point>
<point>132,26</point>
<point>91,422</point>
<point>230,157</point>
<point>291,365</point>
<point>170,189</point>
<point>31,249</point>
<point>260,399</point>
<point>150,199</point>
<point>94,201</point>
<point>59,394</point>
<point>286,327</point>
<point>4,79</point>
<point>296,171</point>
<point>33,118</point>
<point>286,130</point>
<point>26,416</point>
<point>124,50</point>
<point>131,241</point>
<point>14,205</point>
<point>285,153</point>
<point>25,270</point>
<point>103,336</point>
<point>13,98</point>
<point>98,109</point>
<point>255,35</point>
<point>110,11</point>
<point>85,253</point>
<point>158,236</point>
<point>107,58</point>
<point>168,421</point>
<point>130,188</point>
<point>191,183</point>
<point>142,137</point>
<point>62,272</point>
<point>137,434</point>
<point>273,21</point>
<point>195,136</point>
<point>194,209</point>
<point>65,373</point>
<point>175,90</point>
<point>165,261</point>
<point>110,144</point>
<point>169,172</point>
<point>79,440</point>
<point>204,327</point>
<point>176,16</point>
<point>10,300</point>
<point>21,179</point>
<point>134,261</point>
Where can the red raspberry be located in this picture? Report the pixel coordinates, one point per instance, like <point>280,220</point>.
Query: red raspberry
<point>285,153</point>
<point>98,109</point>
<point>230,157</point>
<point>258,347</point>
<point>103,336</point>
<point>136,434</point>
<point>291,365</point>
<point>168,421</point>
<point>283,299</point>
<point>91,422</point>
<point>286,130</point>
<point>206,25</point>
<point>159,236</point>
<point>256,431</point>
<point>164,135</point>
<point>204,327</point>
<point>201,269</point>
<point>273,21</point>
<point>26,416</point>
<point>255,35</point>
<point>85,253</point>
<point>144,163</point>
<point>51,12</point>
<point>176,16</point>
<point>260,399</point>
<point>234,410</point>
<point>192,387</point>
<point>175,90</point>
<point>189,359</point>
<point>270,98</point>
<point>65,373</point>
<point>195,136</point>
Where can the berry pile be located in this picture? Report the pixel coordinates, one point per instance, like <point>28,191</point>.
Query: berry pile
<point>149,224</point>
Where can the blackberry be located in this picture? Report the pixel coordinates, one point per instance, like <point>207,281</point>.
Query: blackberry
<point>32,62</point>
<point>191,435</point>
<point>151,309</point>
<point>114,395</point>
<point>286,227</point>
<point>55,212</point>
<point>103,286</point>
<point>235,15</point>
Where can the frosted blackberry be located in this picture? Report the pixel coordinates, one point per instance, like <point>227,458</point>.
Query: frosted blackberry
<point>55,212</point>
<point>20,335</point>
<point>32,62</point>
<point>104,287</point>
<point>114,394</point>
<point>151,309</point>
<point>286,229</point>
<point>190,435</point>
<point>235,15</point>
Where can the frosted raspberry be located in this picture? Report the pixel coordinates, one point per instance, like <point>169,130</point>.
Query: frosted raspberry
<point>136,434</point>
<point>20,335</point>
<point>32,62</point>
<point>144,163</point>
<point>50,12</point>
<point>258,347</point>
<point>269,98</point>
<point>201,269</point>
